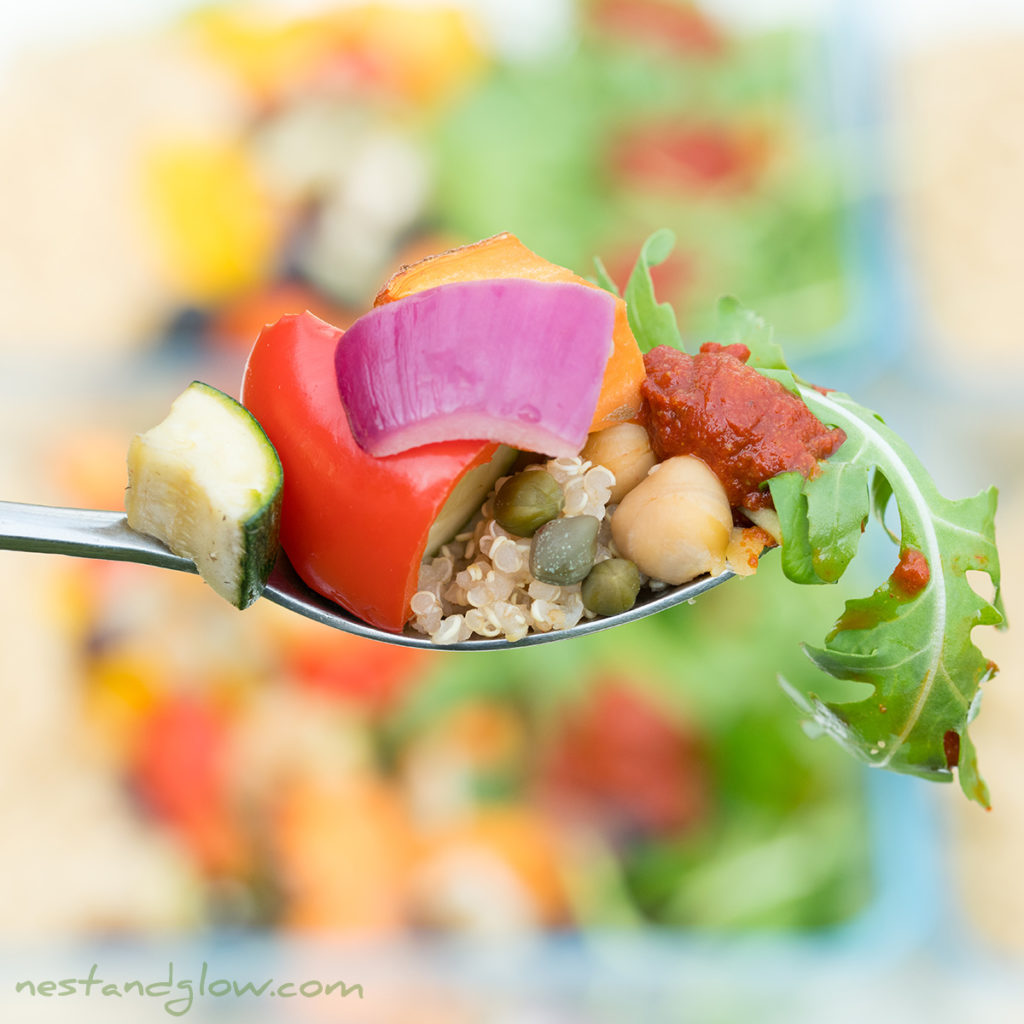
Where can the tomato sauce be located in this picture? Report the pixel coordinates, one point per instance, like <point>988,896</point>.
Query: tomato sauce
<point>745,426</point>
<point>912,573</point>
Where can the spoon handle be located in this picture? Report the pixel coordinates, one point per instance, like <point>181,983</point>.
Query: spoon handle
<point>84,533</point>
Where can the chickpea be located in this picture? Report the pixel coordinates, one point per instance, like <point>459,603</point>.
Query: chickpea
<point>675,524</point>
<point>625,449</point>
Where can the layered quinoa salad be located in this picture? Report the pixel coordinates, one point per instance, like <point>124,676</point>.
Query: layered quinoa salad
<point>481,583</point>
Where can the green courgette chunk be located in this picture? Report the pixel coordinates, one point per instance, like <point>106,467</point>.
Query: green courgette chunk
<point>207,482</point>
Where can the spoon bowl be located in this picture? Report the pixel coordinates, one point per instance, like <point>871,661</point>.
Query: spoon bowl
<point>87,533</point>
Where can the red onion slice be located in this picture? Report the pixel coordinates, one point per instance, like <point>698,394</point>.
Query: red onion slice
<point>510,360</point>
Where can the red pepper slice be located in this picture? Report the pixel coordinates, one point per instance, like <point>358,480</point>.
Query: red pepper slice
<point>353,526</point>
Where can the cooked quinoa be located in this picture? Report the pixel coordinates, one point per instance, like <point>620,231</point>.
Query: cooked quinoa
<point>480,583</point>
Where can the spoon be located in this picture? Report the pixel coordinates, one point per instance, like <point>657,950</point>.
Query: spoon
<point>98,534</point>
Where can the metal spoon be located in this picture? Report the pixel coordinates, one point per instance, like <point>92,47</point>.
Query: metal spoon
<point>94,534</point>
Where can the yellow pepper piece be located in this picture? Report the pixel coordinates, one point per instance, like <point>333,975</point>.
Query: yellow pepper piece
<point>214,223</point>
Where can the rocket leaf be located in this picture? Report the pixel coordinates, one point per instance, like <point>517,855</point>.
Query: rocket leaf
<point>652,323</point>
<point>913,645</point>
<point>912,638</point>
<point>824,519</point>
<point>739,325</point>
<point>603,279</point>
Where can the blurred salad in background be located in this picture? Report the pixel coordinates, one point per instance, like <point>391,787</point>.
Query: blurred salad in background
<point>662,116</point>
<point>270,161</point>
<point>654,776</point>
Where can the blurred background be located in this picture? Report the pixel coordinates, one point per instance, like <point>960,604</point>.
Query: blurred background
<point>561,834</point>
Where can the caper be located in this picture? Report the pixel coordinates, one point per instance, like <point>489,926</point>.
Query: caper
<point>611,587</point>
<point>527,501</point>
<point>563,550</point>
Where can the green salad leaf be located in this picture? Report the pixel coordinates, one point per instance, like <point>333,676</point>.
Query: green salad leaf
<point>603,279</point>
<point>742,326</point>
<point>913,644</point>
<point>653,323</point>
<point>911,639</point>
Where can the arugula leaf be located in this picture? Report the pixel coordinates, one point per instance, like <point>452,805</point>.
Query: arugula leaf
<point>912,644</point>
<point>825,516</point>
<point>915,648</point>
<point>603,279</point>
<point>787,490</point>
<point>739,325</point>
<point>653,323</point>
<point>838,506</point>
<point>881,495</point>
